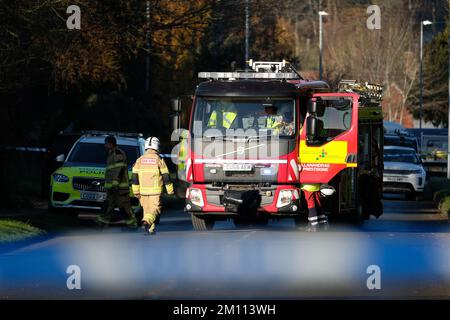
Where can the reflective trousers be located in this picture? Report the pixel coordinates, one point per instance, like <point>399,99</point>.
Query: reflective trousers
<point>312,199</point>
<point>152,208</point>
<point>120,199</point>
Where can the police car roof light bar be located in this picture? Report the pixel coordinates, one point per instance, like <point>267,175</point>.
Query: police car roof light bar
<point>112,133</point>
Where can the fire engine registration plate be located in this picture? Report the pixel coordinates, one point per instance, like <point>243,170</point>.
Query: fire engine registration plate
<point>93,196</point>
<point>237,167</point>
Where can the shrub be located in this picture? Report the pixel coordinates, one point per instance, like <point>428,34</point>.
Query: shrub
<point>445,205</point>
<point>440,195</point>
<point>434,185</point>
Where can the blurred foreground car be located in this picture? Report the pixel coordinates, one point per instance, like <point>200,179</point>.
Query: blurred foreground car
<point>403,172</point>
<point>79,183</point>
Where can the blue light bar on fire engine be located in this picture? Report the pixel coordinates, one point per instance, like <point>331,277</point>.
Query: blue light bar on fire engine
<point>247,75</point>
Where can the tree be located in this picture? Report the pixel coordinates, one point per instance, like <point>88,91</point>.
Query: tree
<point>435,82</point>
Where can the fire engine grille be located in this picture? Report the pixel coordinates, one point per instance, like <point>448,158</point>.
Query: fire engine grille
<point>89,184</point>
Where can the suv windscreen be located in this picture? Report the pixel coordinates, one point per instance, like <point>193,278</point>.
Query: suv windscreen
<point>401,142</point>
<point>96,153</point>
<point>409,156</point>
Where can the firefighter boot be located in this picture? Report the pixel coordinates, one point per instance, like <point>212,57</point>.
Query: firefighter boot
<point>312,220</point>
<point>132,222</point>
<point>323,222</point>
<point>149,228</point>
<point>103,219</point>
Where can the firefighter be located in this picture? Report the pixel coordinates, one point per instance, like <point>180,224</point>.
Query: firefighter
<point>182,155</point>
<point>273,120</point>
<point>316,215</point>
<point>117,184</point>
<point>227,112</point>
<point>150,173</point>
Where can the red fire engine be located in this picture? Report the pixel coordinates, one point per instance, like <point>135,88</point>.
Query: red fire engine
<point>255,136</point>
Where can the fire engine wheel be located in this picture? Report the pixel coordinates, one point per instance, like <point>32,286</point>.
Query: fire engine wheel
<point>358,215</point>
<point>201,223</point>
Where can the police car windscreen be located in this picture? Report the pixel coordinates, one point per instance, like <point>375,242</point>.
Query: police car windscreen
<point>96,153</point>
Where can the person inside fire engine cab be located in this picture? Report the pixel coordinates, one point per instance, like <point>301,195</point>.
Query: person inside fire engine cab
<point>280,122</point>
<point>224,116</point>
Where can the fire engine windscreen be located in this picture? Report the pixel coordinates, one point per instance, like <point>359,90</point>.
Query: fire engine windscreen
<point>216,117</point>
<point>334,117</point>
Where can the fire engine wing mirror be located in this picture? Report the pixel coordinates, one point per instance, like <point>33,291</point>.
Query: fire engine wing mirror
<point>312,106</point>
<point>60,158</point>
<point>312,128</point>
<point>176,104</point>
<point>174,121</point>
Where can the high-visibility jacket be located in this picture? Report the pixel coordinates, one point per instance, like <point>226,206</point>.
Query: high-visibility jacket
<point>116,173</point>
<point>275,123</point>
<point>227,119</point>
<point>310,187</point>
<point>150,173</point>
<point>182,154</point>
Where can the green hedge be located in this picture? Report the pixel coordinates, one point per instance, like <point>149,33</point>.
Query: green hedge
<point>440,195</point>
<point>445,206</point>
<point>13,230</point>
<point>434,185</point>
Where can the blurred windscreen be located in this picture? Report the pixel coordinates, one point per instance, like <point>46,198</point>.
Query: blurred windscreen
<point>96,153</point>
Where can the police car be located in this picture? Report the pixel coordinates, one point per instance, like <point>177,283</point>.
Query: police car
<point>79,182</point>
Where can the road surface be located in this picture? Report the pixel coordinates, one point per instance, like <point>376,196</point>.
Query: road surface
<point>404,254</point>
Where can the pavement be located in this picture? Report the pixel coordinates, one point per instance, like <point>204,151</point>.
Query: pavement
<point>403,254</point>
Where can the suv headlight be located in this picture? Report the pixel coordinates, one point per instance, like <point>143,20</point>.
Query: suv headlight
<point>418,171</point>
<point>196,197</point>
<point>285,197</point>
<point>58,177</point>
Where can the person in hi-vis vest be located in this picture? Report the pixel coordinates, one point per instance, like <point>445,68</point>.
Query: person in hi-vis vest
<point>224,116</point>
<point>316,214</point>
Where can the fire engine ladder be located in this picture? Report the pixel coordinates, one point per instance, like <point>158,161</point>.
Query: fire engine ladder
<point>370,93</point>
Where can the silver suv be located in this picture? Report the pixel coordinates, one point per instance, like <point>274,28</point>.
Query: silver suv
<point>403,172</point>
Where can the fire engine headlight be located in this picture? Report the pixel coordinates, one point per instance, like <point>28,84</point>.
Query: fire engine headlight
<point>285,197</point>
<point>57,177</point>
<point>196,197</point>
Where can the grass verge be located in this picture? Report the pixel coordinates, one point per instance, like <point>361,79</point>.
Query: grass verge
<point>13,230</point>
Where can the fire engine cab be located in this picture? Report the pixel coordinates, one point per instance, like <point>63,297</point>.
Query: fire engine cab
<point>256,135</point>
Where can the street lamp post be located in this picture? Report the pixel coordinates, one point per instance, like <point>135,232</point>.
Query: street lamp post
<point>147,45</point>
<point>448,123</point>
<point>321,14</point>
<point>422,23</point>
<point>247,33</point>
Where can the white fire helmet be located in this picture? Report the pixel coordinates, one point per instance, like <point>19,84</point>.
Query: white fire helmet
<point>326,190</point>
<point>152,143</point>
